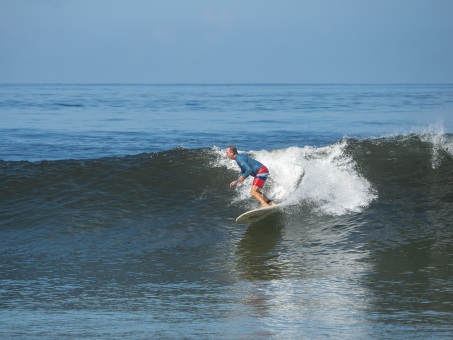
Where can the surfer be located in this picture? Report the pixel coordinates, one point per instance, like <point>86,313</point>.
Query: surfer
<point>250,166</point>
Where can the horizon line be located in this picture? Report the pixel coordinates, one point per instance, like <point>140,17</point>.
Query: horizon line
<point>226,83</point>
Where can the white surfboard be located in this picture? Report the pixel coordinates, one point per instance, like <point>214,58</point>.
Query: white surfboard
<point>256,214</point>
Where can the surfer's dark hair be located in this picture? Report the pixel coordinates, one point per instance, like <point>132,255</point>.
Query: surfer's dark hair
<point>233,149</point>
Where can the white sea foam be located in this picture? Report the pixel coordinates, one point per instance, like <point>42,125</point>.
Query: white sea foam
<point>324,178</point>
<point>436,136</point>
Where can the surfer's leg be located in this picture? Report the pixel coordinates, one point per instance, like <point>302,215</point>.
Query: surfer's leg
<point>257,186</point>
<point>261,197</point>
<point>271,203</point>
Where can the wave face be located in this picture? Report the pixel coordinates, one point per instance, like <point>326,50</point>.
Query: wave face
<point>346,177</point>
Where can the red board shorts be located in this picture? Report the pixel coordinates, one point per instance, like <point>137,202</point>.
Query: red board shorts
<point>261,177</point>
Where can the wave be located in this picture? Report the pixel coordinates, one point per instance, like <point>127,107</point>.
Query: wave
<point>346,177</point>
<point>326,178</point>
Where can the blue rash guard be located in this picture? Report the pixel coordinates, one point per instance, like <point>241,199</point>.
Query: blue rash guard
<point>249,166</point>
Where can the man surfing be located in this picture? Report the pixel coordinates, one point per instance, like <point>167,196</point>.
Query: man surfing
<point>250,166</point>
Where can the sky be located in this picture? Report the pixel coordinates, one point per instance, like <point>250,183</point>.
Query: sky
<point>226,41</point>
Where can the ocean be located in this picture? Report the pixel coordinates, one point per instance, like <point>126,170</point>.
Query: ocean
<point>117,220</point>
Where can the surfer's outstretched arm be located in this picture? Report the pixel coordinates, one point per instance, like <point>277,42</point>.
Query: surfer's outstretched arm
<point>238,181</point>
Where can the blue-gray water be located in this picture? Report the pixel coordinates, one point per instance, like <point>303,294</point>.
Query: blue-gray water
<point>116,219</point>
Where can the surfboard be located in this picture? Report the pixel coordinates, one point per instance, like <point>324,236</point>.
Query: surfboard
<point>256,215</point>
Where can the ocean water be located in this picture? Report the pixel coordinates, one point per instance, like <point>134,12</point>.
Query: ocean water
<point>117,221</point>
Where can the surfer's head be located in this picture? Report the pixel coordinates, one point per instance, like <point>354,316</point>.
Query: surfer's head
<point>231,152</point>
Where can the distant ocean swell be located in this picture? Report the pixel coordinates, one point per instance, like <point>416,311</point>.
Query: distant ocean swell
<point>345,177</point>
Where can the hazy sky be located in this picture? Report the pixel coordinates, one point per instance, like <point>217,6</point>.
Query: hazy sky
<point>226,41</point>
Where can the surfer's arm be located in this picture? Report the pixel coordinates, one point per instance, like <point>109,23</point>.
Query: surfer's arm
<point>246,170</point>
<point>239,180</point>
